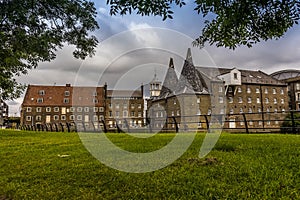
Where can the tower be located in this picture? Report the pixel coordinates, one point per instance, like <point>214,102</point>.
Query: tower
<point>155,87</point>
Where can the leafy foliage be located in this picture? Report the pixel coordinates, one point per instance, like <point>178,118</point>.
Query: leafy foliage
<point>31,32</point>
<point>230,23</point>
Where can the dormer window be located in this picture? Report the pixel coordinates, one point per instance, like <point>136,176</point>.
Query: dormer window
<point>40,100</point>
<point>42,92</point>
<point>67,93</point>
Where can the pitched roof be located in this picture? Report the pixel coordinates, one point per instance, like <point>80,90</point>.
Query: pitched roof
<point>55,95</point>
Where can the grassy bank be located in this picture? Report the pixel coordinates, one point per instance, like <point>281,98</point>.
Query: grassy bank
<point>39,165</point>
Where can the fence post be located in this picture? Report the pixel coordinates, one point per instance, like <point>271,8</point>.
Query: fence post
<point>68,127</point>
<point>62,127</point>
<point>176,125</point>
<point>104,126</point>
<point>207,122</point>
<point>245,122</point>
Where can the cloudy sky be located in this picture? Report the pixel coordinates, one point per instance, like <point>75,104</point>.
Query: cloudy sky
<point>132,48</point>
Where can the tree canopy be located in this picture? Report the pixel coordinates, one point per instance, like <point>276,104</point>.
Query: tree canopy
<point>32,31</point>
<point>229,23</point>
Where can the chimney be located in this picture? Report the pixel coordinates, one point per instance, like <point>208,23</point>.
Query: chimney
<point>68,85</point>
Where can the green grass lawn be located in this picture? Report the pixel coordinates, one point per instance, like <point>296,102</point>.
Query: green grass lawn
<point>255,166</point>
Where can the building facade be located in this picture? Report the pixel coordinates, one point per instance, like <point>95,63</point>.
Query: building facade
<point>89,108</point>
<point>292,78</point>
<point>232,93</point>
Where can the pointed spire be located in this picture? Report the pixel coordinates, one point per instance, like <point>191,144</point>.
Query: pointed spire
<point>171,63</point>
<point>189,56</point>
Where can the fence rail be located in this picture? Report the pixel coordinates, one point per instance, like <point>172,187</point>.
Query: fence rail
<point>285,122</point>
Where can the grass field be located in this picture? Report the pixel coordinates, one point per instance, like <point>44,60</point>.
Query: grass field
<point>255,166</point>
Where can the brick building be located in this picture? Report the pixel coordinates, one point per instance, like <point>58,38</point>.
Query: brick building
<point>87,107</point>
<point>292,78</point>
<point>217,91</point>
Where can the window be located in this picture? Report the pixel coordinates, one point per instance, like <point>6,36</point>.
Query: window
<point>48,109</point>
<point>275,110</point>
<point>281,91</point>
<point>95,94</point>
<point>198,100</point>
<point>63,117</point>
<point>86,109</point>
<point>101,117</point>
<point>260,123</point>
<point>251,123</point>
<point>257,90</point>
<point>28,109</point>
<point>275,101</point>
<point>231,111</point>
<point>40,100</point>
<point>222,111</point>
<point>66,100</point>
<point>161,114</point>
<point>132,106</point>
<point>230,99</point>
<point>95,109</point>
<point>249,100</point>
<point>220,89</point>
<point>259,110</point>
<point>117,114</point>
<point>268,110</point>
<point>209,112</point>
<point>110,105</point>
<point>240,100</point>
<point>67,93</point>
<point>117,106</point>
<point>235,76</point>
<point>298,86</point>
<point>177,112</point>
<point>101,109</point>
<point>110,113</point>
<point>199,112</point>
<point>282,101</point>
<point>79,117</point>
<point>267,100</point>
<point>28,118</point>
<point>125,113</point>
<point>221,100</point>
<point>72,117</point>
<point>174,101</point>
<point>38,118</point>
<point>95,100</point>
<point>56,117</point>
<point>266,90</point>
<point>230,89</point>
<point>257,100</point>
<point>268,122</point>
<point>132,113</point>
<point>56,109</point>
<point>95,118</point>
<point>172,113</point>
<point>241,110</point>
<point>283,110</point>
<point>139,114</point>
<point>38,109</point>
<point>72,109</point>
<point>274,90</point>
<point>42,92</point>
<point>239,89</point>
<point>249,110</point>
<point>125,105</point>
<point>242,123</point>
<point>139,106</point>
<point>248,90</point>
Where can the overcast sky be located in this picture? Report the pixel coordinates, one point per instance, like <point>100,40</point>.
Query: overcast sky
<point>132,48</point>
